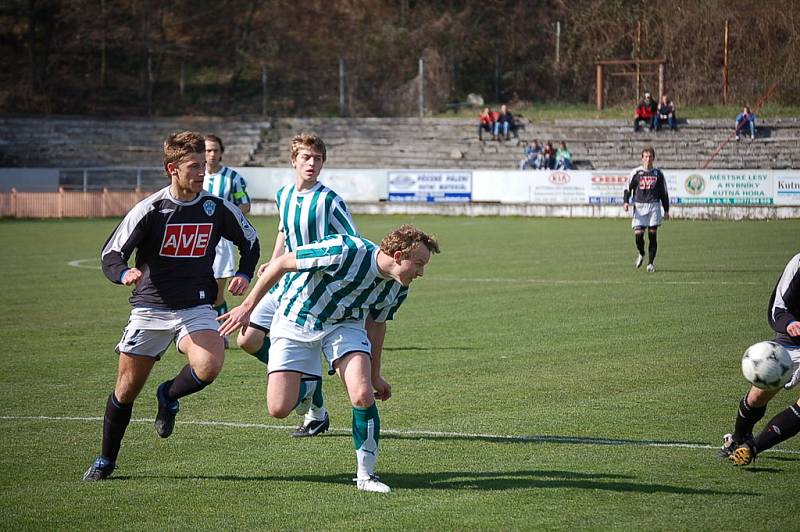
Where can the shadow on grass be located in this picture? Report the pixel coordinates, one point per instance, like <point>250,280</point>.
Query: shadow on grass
<point>486,481</point>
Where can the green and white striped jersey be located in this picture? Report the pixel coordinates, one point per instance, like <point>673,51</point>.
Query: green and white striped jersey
<point>312,214</point>
<point>227,184</point>
<point>338,280</point>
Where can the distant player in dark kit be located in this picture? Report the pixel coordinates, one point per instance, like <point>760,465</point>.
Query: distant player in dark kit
<point>648,188</point>
<point>173,233</point>
<point>783,316</point>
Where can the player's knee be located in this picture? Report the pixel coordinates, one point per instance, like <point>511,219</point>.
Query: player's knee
<point>250,341</point>
<point>757,397</point>
<point>279,410</point>
<point>362,398</point>
<point>208,370</point>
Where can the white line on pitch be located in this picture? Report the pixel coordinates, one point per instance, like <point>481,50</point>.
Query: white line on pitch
<point>79,264</point>
<point>434,434</point>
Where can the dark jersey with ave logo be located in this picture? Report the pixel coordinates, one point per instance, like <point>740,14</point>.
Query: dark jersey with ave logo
<point>647,186</point>
<point>784,303</point>
<point>174,242</point>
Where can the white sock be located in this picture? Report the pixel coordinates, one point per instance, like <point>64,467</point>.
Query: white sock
<point>315,413</point>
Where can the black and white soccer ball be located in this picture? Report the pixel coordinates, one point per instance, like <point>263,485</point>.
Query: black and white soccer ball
<point>767,365</point>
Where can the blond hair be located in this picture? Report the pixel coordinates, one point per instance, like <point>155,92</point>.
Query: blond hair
<point>310,141</point>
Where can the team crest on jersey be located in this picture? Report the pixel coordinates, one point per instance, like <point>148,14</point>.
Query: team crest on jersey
<point>186,240</point>
<point>209,206</point>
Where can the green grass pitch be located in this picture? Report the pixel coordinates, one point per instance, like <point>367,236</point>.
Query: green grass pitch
<point>540,382</point>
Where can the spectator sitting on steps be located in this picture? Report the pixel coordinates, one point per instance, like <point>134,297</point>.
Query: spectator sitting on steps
<point>645,112</point>
<point>505,123</point>
<point>746,119</point>
<point>563,157</point>
<point>533,156</point>
<point>548,156</point>
<point>486,122</point>
<point>666,113</point>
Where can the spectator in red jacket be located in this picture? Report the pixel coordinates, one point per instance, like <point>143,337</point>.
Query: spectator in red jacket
<point>486,122</point>
<point>645,112</point>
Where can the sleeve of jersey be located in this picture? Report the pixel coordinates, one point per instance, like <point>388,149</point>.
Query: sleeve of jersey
<point>386,313</point>
<point>324,255</point>
<point>238,230</point>
<point>664,193</point>
<point>627,196</point>
<point>123,241</point>
<point>787,296</point>
<point>239,192</point>
<point>341,220</point>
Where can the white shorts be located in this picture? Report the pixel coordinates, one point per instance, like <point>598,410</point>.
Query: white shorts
<point>288,354</point>
<point>150,331</point>
<point>646,215</point>
<point>261,317</point>
<point>225,260</point>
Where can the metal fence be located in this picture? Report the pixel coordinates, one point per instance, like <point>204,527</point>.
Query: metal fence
<point>117,178</point>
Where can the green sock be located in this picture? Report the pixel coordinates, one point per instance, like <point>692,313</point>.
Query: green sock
<point>366,426</point>
<point>263,352</point>
<point>366,434</point>
<point>317,400</point>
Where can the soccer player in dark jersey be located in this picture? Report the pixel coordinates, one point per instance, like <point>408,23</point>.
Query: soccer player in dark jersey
<point>648,188</point>
<point>783,316</point>
<point>174,233</point>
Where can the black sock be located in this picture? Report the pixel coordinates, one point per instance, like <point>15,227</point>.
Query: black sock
<point>746,419</point>
<point>115,422</point>
<point>652,247</point>
<point>639,242</point>
<point>782,427</point>
<point>186,382</point>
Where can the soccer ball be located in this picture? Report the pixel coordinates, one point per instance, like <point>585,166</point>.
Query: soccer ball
<point>767,365</point>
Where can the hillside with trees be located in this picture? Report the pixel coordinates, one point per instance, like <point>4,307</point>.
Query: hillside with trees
<point>361,57</point>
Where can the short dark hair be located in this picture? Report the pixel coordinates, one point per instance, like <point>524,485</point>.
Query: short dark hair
<point>649,149</point>
<point>214,138</point>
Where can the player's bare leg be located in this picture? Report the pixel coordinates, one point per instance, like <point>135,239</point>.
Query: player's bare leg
<point>220,305</point>
<point>355,371</point>
<point>283,391</point>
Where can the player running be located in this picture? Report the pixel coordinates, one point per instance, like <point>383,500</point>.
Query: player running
<point>228,184</point>
<point>173,233</point>
<point>308,211</point>
<point>344,290</point>
<point>784,318</point>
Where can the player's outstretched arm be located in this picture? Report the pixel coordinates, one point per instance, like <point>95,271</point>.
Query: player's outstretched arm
<point>239,317</point>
